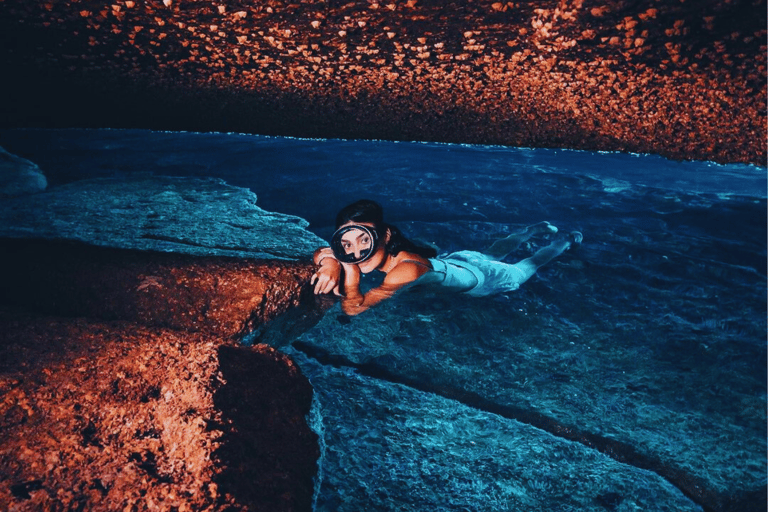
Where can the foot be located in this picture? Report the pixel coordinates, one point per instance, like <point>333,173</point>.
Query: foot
<point>500,248</point>
<point>542,228</point>
<point>561,244</point>
<point>575,237</point>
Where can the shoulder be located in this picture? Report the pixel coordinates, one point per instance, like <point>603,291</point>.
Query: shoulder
<point>409,268</point>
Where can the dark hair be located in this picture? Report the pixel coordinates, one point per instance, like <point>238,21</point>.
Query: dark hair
<point>367,211</point>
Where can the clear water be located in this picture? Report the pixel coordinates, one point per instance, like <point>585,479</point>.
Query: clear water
<point>626,375</point>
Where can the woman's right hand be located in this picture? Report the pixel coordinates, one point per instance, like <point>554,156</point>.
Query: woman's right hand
<point>327,279</point>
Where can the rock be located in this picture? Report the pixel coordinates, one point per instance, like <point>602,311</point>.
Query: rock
<point>690,58</point>
<point>123,377</point>
<point>19,176</point>
<point>182,215</point>
<point>392,447</point>
<point>106,416</point>
<point>265,406</point>
<point>226,297</point>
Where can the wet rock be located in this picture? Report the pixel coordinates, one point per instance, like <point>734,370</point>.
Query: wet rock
<point>110,278</point>
<point>264,408</point>
<point>222,296</point>
<point>123,380</point>
<point>120,416</point>
<point>19,176</point>
<point>181,215</point>
<point>392,447</point>
<point>673,78</point>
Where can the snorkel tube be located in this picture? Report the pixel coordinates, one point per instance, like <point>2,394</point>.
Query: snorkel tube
<point>337,244</point>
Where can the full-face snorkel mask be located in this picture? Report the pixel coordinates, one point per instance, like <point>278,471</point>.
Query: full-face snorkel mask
<point>354,232</point>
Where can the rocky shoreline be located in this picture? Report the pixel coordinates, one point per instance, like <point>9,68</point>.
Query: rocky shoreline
<point>680,79</point>
<point>125,383</point>
<point>113,399</point>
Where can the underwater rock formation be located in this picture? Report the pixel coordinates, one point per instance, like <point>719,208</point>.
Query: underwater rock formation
<point>529,402</point>
<point>107,416</point>
<point>124,382</point>
<point>182,215</point>
<point>19,176</point>
<point>681,79</point>
<point>220,296</point>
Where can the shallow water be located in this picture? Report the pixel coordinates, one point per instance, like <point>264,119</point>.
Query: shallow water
<point>642,350</point>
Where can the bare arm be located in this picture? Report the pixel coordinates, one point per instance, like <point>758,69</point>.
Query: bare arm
<point>355,302</point>
<point>328,276</point>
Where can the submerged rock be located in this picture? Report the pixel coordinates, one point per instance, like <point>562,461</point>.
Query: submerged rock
<point>107,416</point>
<point>182,215</point>
<point>221,296</point>
<point>123,380</point>
<point>19,176</point>
<point>393,447</point>
<point>138,392</point>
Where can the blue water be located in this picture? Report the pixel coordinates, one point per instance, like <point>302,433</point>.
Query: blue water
<point>289,172</point>
<point>489,187</point>
<point>652,333</point>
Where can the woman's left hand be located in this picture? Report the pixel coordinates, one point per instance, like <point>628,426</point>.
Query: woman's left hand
<point>351,280</point>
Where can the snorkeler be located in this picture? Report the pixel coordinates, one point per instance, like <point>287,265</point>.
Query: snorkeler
<point>363,243</point>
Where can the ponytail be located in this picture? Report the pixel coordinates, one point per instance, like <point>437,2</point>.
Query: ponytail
<point>398,242</point>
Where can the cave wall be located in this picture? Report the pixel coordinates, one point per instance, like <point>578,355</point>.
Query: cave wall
<point>686,80</point>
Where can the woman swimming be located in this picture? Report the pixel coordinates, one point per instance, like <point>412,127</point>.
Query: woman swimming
<point>363,243</point>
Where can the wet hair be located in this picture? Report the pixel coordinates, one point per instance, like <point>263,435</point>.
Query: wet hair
<point>371,212</point>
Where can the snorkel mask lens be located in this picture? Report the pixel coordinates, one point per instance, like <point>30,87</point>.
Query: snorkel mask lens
<point>354,244</point>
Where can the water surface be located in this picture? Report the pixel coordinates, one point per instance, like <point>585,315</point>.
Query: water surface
<point>642,350</point>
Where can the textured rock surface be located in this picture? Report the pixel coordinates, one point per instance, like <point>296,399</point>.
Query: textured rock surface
<point>221,296</point>
<point>19,176</point>
<point>183,215</point>
<point>123,385</point>
<point>142,400</point>
<point>108,416</point>
<point>683,79</point>
<point>393,447</point>
<point>650,406</point>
